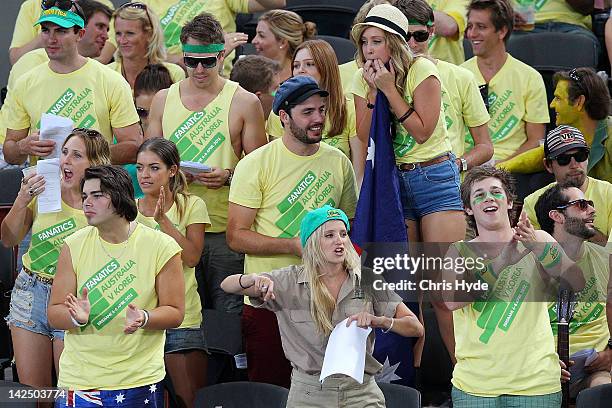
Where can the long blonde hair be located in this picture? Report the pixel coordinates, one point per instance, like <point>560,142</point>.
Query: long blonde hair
<point>327,64</point>
<point>287,25</point>
<point>401,56</point>
<point>322,303</point>
<point>149,21</point>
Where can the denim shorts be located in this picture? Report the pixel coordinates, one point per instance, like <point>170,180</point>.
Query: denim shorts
<point>28,311</point>
<point>431,189</point>
<point>180,340</point>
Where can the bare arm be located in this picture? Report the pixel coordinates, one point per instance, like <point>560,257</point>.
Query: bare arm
<point>256,6</point>
<point>253,134</point>
<point>192,242</point>
<point>170,288</point>
<point>535,133</point>
<point>253,285</point>
<point>241,239</point>
<point>18,52</point>
<point>358,157</point>
<point>446,26</point>
<point>483,146</point>
<point>64,284</point>
<point>107,53</point>
<point>18,221</point>
<point>129,139</point>
<point>363,118</point>
<point>404,322</point>
<point>156,113</point>
<point>18,146</point>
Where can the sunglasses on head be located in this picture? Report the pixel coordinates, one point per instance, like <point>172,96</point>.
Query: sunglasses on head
<point>581,203</point>
<point>62,5</point>
<point>88,132</point>
<point>142,112</point>
<point>136,5</point>
<point>207,62</point>
<point>419,36</point>
<point>579,156</point>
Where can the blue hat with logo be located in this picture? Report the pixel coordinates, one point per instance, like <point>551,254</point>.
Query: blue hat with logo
<point>294,91</point>
<point>315,218</point>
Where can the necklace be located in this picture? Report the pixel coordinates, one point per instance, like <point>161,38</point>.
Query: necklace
<point>130,230</point>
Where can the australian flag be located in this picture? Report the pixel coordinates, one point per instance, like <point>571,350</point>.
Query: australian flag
<point>379,220</point>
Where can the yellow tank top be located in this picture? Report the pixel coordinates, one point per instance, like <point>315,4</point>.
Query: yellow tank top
<point>204,137</point>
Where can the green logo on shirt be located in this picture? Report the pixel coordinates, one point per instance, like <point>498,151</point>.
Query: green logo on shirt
<point>74,106</point>
<point>197,137</point>
<point>588,309</point>
<point>309,193</point>
<point>502,120</point>
<point>110,292</point>
<point>172,24</point>
<point>45,246</point>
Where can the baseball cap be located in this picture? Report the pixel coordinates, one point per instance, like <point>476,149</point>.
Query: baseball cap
<point>294,91</point>
<point>386,17</point>
<point>63,18</point>
<point>561,139</point>
<point>315,218</point>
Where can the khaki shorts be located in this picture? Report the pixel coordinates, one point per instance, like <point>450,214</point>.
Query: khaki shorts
<point>337,391</point>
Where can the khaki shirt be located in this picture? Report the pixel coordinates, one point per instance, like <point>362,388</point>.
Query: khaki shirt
<point>303,344</point>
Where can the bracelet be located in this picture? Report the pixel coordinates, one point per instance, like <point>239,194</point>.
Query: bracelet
<point>146,318</point>
<point>369,105</point>
<point>240,282</point>
<point>76,322</point>
<point>405,116</point>
<point>390,327</point>
<point>550,256</point>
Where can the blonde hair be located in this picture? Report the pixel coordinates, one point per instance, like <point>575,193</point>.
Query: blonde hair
<point>322,303</point>
<point>287,25</point>
<point>97,149</point>
<point>156,49</point>
<point>401,56</point>
<point>327,64</point>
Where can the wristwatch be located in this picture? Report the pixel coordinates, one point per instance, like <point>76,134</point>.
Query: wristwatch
<point>609,343</point>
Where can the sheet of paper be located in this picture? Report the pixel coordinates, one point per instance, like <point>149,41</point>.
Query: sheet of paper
<point>50,200</point>
<point>56,128</point>
<point>345,351</point>
<point>195,167</point>
<point>581,360</point>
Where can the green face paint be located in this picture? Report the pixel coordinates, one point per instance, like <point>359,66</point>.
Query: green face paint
<point>482,196</point>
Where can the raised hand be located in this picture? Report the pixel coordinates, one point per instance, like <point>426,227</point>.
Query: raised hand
<point>78,308</point>
<point>134,319</point>
<point>31,186</point>
<point>160,212</point>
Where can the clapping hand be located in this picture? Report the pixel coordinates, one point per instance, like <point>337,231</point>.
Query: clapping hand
<point>134,319</point>
<point>78,308</point>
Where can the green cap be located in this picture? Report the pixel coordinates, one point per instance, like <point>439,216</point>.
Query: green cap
<point>61,17</point>
<point>315,218</point>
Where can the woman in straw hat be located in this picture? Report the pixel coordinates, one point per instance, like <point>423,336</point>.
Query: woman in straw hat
<point>311,299</point>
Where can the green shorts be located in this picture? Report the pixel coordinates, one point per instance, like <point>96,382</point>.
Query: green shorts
<point>464,400</point>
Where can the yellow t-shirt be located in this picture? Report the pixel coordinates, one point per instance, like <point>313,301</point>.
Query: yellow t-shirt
<point>48,233</point>
<point>176,72</point>
<point>99,355</point>
<point>347,72</point>
<point>406,148</point>
<point>204,137</point>
<point>512,327</point>
<point>559,11</point>
<point>174,14</point>
<point>93,96</point>
<point>25,30</point>
<point>516,95</point>
<point>589,326</point>
<point>446,48</point>
<point>194,213</point>
<point>283,186</point>
<point>463,105</point>
<point>597,190</point>
<point>274,129</point>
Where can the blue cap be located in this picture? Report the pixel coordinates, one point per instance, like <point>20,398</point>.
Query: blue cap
<point>315,218</point>
<point>294,91</point>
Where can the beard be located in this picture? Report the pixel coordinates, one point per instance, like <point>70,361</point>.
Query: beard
<point>575,180</point>
<point>302,134</point>
<point>576,226</point>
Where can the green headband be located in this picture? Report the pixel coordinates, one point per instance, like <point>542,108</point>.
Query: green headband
<point>415,22</point>
<point>203,49</point>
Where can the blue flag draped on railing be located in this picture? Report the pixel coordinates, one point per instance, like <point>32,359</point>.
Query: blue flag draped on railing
<point>379,219</point>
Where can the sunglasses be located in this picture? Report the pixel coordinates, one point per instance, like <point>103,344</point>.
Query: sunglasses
<point>62,5</point>
<point>142,112</point>
<point>581,203</point>
<point>207,62</point>
<point>579,156</point>
<point>92,133</point>
<point>136,5</point>
<point>419,36</point>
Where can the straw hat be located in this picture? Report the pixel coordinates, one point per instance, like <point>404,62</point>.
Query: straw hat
<point>386,17</point>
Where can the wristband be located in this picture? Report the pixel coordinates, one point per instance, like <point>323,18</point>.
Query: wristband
<point>370,105</point>
<point>76,323</point>
<point>405,116</point>
<point>240,282</point>
<point>390,327</point>
<point>550,257</point>
<point>146,318</point>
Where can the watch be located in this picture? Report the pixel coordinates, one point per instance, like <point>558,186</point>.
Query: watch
<point>610,343</point>
<point>464,165</point>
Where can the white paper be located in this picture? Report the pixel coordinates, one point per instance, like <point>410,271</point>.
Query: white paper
<point>56,128</point>
<point>195,167</point>
<point>345,351</point>
<point>50,200</point>
<point>581,359</point>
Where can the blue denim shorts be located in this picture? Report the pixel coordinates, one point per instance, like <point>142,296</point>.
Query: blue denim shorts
<point>431,189</point>
<point>180,340</point>
<point>28,311</point>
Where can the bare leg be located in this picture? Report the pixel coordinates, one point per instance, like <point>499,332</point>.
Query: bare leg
<point>33,356</point>
<point>188,374</point>
<point>58,347</point>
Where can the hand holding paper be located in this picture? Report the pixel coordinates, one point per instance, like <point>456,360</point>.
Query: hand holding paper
<point>50,200</point>
<point>57,129</point>
<point>345,352</point>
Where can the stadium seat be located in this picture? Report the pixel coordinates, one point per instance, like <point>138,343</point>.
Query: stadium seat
<point>331,19</point>
<point>344,48</point>
<point>242,394</point>
<point>400,396</point>
<point>596,397</point>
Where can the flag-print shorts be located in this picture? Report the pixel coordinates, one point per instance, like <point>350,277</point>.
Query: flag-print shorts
<point>148,396</point>
<point>29,301</point>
